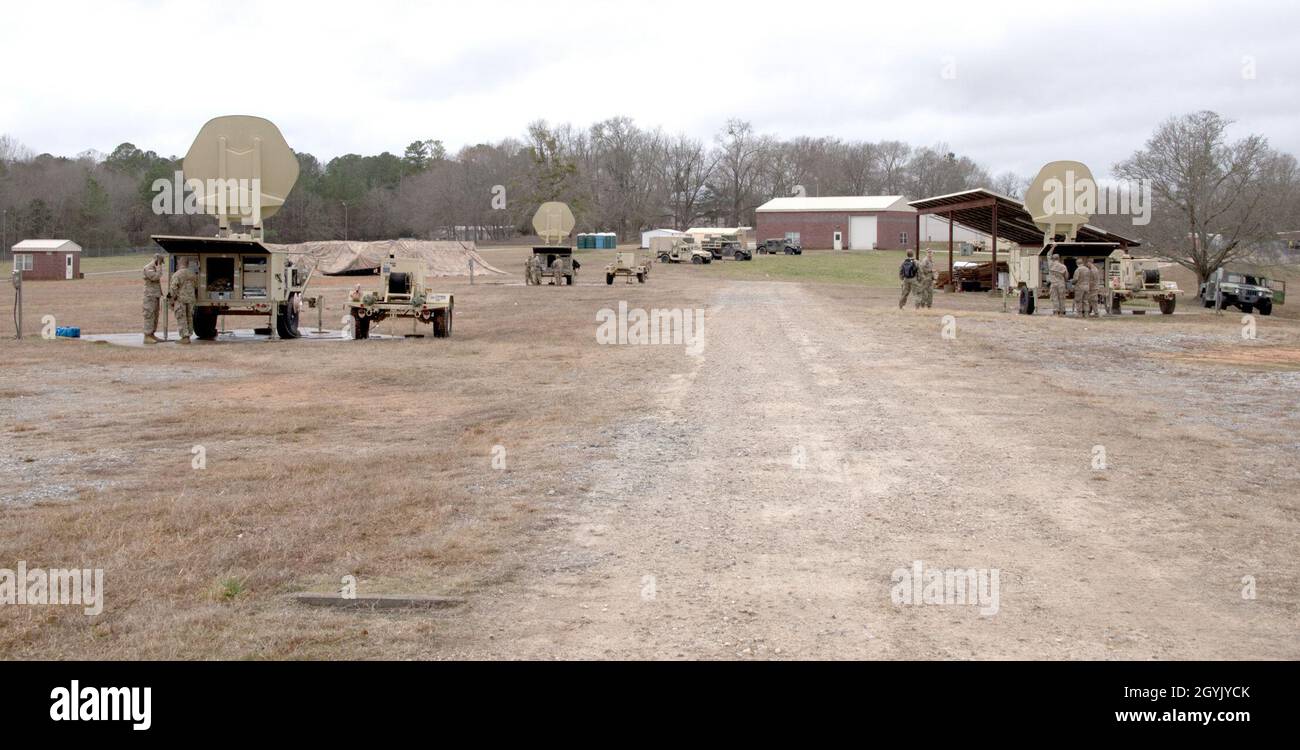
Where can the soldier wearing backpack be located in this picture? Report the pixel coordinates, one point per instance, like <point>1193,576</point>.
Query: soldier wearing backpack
<point>907,274</point>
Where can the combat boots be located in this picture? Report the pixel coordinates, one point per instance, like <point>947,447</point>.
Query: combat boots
<point>149,338</point>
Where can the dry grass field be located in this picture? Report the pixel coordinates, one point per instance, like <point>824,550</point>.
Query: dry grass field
<point>649,506</point>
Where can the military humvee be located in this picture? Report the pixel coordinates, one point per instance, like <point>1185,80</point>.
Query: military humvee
<point>554,258</point>
<point>403,293</point>
<point>777,246</point>
<point>1245,292</point>
<point>725,246</point>
<point>626,264</point>
<point>679,250</point>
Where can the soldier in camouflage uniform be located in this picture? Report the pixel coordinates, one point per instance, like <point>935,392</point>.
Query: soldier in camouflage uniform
<point>1098,287</point>
<point>557,271</point>
<point>1056,273</point>
<point>925,282</point>
<point>907,275</point>
<point>184,292</point>
<point>1082,289</point>
<point>152,297</point>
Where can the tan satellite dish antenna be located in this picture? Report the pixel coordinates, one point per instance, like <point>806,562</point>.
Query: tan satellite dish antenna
<point>553,222</point>
<point>241,169</point>
<point>1054,202</point>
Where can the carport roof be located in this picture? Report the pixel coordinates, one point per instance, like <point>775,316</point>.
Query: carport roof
<point>974,209</point>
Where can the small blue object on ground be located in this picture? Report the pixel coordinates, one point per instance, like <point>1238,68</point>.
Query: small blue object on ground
<point>68,332</point>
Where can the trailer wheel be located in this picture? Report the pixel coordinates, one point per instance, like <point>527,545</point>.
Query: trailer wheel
<point>1114,304</point>
<point>205,323</point>
<point>1167,305</point>
<point>286,318</point>
<point>360,326</point>
<point>609,278</point>
<point>640,278</point>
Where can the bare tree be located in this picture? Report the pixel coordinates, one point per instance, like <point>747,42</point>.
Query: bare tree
<point>1009,184</point>
<point>893,157</point>
<point>688,167</point>
<point>740,161</point>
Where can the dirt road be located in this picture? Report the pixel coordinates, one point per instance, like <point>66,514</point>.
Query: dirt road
<point>817,445</point>
<point>1130,482</point>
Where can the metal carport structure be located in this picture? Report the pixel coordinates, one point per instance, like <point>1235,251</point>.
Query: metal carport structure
<point>998,216</point>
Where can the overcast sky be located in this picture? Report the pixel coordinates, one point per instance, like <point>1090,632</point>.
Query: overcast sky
<point>1087,83</point>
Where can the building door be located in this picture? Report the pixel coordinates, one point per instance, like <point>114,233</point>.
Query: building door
<point>862,233</point>
<point>839,241</point>
<point>67,266</point>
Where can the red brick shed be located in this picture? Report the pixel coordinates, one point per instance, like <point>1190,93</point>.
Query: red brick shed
<point>863,222</point>
<point>48,259</point>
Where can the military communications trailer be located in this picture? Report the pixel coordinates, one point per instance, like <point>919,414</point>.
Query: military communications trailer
<point>1129,278</point>
<point>240,276</point>
<point>1126,277</point>
<point>239,170</point>
<point>1027,267</point>
<point>552,259</point>
<point>1243,291</point>
<point>627,265</point>
<point>679,250</point>
<point>404,292</point>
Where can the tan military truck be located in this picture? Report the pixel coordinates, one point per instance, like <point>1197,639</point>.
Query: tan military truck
<point>240,171</point>
<point>552,259</point>
<point>404,292</point>
<point>627,265</point>
<point>679,250</point>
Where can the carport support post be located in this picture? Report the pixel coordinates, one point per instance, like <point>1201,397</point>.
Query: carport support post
<point>995,246</point>
<point>951,281</point>
<point>916,240</point>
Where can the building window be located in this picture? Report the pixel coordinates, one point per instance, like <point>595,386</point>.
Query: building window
<point>902,239</point>
<point>23,262</point>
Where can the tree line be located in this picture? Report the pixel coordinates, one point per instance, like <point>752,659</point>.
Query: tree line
<point>616,175</point>
<point>1215,198</point>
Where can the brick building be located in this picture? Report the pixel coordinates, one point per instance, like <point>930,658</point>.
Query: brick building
<point>855,222</point>
<point>48,259</point>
